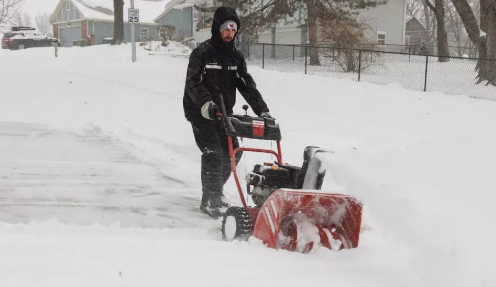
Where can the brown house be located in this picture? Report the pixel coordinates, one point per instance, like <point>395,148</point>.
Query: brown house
<point>416,32</point>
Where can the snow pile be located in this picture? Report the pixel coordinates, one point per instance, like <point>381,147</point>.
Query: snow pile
<point>173,48</point>
<point>90,137</point>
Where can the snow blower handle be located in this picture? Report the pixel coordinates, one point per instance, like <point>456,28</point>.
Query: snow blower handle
<point>222,116</point>
<point>222,113</point>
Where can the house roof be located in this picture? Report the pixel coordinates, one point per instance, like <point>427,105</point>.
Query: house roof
<point>104,9</point>
<point>169,7</point>
<point>413,18</point>
<point>178,4</point>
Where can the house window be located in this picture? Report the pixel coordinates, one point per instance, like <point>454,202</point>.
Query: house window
<point>143,34</point>
<point>195,14</point>
<point>205,20</point>
<point>68,5</point>
<point>407,40</point>
<point>381,38</point>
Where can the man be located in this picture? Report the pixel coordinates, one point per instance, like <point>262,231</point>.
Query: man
<point>217,68</point>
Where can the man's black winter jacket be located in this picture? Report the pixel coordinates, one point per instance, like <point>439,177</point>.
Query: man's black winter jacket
<point>217,68</point>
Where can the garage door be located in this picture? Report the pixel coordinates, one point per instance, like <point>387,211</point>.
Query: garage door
<point>67,35</point>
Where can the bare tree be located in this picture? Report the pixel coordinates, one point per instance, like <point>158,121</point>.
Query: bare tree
<point>481,35</point>
<point>454,26</point>
<point>26,19</point>
<point>428,19</point>
<point>9,9</point>
<point>348,35</point>
<point>414,8</point>
<point>42,21</point>
<point>487,68</point>
<point>469,20</point>
<point>21,19</point>
<point>442,36</point>
<point>118,22</point>
<point>166,33</point>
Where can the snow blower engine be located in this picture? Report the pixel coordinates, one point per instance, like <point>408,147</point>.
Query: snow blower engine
<point>267,178</point>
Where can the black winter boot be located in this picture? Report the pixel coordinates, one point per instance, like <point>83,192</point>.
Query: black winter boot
<point>214,208</point>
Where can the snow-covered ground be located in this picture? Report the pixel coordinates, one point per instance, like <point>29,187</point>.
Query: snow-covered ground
<point>90,139</point>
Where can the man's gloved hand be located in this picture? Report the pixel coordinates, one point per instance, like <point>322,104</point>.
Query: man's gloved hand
<point>266,115</point>
<point>209,109</point>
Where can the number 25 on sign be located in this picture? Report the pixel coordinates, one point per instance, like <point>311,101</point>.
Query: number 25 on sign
<point>133,15</point>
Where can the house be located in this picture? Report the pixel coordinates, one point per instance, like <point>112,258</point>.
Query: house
<point>93,20</point>
<point>416,33</point>
<point>189,23</point>
<point>387,23</point>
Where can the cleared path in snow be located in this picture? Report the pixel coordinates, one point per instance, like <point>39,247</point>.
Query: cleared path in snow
<point>83,178</point>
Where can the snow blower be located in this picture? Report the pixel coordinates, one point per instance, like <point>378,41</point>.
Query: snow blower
<point>290,211</point>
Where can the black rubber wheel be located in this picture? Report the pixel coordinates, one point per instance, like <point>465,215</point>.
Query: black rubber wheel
<point>236,224</point>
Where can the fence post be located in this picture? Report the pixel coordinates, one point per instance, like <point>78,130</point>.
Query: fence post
<point>248,50</point>
<point>360,64</point>
<point>293,52</point>
<point>306,56</point>
<point>426,69</point>
<point>409,53</point>
<point>263,56</point>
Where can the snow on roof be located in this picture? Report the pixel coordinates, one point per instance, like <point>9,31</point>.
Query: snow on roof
<point>104,9</point>
<point>179,4</point>
<point>184,5</point>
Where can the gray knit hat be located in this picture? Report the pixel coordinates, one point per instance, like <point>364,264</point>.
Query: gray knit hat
<point>229,25</point>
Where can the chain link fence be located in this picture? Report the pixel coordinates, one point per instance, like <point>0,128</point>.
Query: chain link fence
<point>426,49</point>
<point>454,75</point>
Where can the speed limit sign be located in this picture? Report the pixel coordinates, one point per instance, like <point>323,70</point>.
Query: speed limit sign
<point>133,15</point>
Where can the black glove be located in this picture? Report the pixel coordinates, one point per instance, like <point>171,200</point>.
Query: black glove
<point>266,115</point>
<point>209,109</point>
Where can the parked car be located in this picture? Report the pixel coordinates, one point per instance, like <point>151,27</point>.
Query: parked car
<point>26,37</point>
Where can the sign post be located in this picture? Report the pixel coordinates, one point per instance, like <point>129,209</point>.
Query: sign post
<point>133,18</point>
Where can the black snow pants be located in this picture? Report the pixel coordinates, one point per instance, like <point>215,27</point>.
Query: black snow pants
<point>215,161</point>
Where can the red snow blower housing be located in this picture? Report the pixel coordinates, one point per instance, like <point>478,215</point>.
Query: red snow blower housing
<point>290,211</point>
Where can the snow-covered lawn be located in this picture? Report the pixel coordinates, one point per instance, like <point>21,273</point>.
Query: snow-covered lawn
<point>90,138</point>
<point>455,77</point>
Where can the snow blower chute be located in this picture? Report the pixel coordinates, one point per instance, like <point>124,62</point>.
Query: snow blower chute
<point>290,211</point>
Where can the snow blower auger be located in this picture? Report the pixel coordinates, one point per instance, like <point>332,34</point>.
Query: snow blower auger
<point>290,212</point>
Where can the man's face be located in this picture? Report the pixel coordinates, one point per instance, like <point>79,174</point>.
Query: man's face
<point>227,35</point>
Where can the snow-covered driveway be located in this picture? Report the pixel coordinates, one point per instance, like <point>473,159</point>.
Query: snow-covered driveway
<point>77,145</point>
<point>84,177</point>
